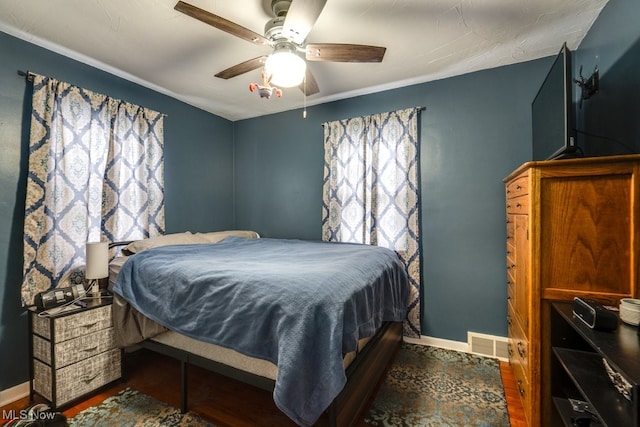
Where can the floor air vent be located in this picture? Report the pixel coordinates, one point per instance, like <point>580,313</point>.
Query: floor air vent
<point>488,345</point>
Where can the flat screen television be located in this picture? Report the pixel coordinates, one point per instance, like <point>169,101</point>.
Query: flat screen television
<point>552,112</point>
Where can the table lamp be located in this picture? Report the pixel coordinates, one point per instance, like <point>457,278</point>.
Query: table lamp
<point>97,259</point>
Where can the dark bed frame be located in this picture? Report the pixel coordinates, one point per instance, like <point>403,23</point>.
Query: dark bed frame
<point>363,374</point>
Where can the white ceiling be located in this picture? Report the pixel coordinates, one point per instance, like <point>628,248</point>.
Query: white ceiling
<point>148,42</point>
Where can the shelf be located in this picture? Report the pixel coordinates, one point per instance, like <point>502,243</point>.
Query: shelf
<point>587,371</point>
<point>622,346</point>
<point>567,414</point>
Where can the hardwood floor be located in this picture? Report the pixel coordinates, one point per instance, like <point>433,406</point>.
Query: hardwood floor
<point>516,412</point>
<point>215,398</point>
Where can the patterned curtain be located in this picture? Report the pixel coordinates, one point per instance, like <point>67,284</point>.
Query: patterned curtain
<point>95,173</point>
<point>371,193</point>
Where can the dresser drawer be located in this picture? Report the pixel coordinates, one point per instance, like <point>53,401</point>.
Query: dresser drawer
<point>72,351</point>
<point>518,339</point>
<point>524,389</point>
<point>511,270</point>
<point>511,228</point>
<point>518,187</point>
<point>518,205</point>
<point>73,325</point>
<point>511,290</point>
<point>78,379</point>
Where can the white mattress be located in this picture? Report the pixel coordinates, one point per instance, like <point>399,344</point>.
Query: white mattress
<point>231,357</point>
<point>219,354</point>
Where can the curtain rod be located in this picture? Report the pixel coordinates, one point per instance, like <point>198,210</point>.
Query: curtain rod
<point>418,109</point>
<point>29,76</point>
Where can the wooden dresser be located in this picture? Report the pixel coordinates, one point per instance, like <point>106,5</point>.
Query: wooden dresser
<point>73,353</point>
<point>572,230</point>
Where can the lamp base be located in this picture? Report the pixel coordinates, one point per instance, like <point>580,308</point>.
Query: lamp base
<point>94,290</point>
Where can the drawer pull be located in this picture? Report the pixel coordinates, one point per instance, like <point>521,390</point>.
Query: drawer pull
<point>90,377</point>
<point>509,350</point>
<point>89,325</point>
<point>509,320</point>
<point>518,187</point>
<point>521,351</point>
<point>91,349</point>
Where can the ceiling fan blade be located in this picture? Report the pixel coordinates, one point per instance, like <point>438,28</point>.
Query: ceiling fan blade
<point>337,52</point>
<point>242,68</point>
<point>309,86</point>
<point>300,18</point>
<point>220,23</point>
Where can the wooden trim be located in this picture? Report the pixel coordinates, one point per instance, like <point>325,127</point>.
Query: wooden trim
<point>582,162</point>
<point>554,294</point>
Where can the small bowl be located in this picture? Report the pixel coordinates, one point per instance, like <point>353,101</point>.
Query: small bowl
<point>630,311</point>
<point>630,303</point>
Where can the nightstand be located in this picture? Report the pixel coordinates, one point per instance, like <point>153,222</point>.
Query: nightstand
<point>73,352</point>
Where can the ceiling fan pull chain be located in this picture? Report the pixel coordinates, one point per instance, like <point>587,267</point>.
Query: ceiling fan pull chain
<point>304,94</point>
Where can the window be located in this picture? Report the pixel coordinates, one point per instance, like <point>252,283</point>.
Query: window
<point>371,189</point>
<point>95,173</point>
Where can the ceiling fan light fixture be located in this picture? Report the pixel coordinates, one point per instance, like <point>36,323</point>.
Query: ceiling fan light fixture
<point>285,66</point>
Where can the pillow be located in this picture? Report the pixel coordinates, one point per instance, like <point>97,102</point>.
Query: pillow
<point>185,238</point>
<point>218,236</point>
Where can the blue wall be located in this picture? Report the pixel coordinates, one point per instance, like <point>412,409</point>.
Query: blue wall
<point>475,130</point>
<point>266,173</point>
<point>199,195</point>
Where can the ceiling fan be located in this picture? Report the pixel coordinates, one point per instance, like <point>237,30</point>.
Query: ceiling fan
<point>286,34</point>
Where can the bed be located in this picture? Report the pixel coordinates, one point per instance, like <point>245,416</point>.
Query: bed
<point>317,323</point>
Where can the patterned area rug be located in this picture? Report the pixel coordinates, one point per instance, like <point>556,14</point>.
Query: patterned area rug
<point>425,386</point>
<point>132,408</point>
<point>432,387</point>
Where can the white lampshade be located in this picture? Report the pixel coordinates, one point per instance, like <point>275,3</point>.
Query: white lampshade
<point>285,66</point>
<point>97,260</point>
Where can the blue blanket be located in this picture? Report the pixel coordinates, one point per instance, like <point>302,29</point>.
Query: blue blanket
<point>297,304</point>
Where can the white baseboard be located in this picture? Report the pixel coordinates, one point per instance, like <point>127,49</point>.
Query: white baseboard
<point>14,393</point>
<point>440,343</point>
<point>466,347</point>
